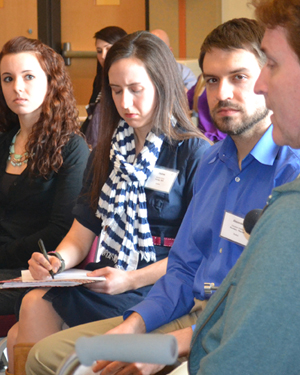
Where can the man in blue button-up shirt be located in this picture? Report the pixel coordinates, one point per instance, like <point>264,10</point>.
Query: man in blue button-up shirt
<point>235,176</point>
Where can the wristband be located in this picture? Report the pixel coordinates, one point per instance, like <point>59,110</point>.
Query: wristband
<point>62,262</point>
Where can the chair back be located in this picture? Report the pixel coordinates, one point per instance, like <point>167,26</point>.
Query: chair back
<point>90,258</point>
<point>6,322</point>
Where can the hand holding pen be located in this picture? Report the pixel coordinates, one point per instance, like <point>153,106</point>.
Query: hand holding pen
<point>44,252</point>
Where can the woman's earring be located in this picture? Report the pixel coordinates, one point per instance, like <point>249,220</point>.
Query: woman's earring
<point>173,121</point>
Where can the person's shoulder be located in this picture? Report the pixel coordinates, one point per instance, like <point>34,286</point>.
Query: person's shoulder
<point>213,151</point>
<point>290,153</point>
<point>279,222</point>
<point>192,146</point>
<point>289,188</point>
<point>76,141</point>
<point>288,163</point>
<point>195,142</point>
<point>76,145</point>
<point>285,198</point>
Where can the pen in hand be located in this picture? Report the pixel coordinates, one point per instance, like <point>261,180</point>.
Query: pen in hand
<point>44,252</point>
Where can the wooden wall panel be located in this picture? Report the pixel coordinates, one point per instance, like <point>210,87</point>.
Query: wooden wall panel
<point>202,17</point>
<point>17,17</point>
<point>164,15</point>
<point>235,9</point>
<point>82,18</point>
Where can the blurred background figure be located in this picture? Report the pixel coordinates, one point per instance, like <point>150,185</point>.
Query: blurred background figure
<point>189,78</point>
<point>200,111</point>
<point>105,38</point>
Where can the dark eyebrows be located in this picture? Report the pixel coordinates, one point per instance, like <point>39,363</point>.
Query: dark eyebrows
<point>131,84</point>
<point>24,71</point>
<point>105,45</point>
<point>240,70</point>
<point>235,71</point>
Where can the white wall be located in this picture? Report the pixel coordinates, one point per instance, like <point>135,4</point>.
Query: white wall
<point>236,9</point>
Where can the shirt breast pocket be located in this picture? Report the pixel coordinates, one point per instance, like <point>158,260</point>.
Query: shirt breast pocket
<point>156,202</point>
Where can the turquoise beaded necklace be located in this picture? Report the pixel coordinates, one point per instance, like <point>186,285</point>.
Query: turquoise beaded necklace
<point>16,160</point>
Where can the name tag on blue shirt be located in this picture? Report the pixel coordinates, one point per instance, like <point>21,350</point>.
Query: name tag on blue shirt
<point>162,179</point>
<point>233,229</point>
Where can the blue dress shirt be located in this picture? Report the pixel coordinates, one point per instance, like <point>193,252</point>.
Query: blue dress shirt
<point>199,254</point>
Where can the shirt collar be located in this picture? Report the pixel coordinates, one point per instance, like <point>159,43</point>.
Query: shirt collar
<point>265,150</point>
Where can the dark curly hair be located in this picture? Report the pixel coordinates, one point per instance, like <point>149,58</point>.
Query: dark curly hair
<point>59,115</point>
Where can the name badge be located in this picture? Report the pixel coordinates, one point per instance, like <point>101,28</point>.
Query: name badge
<point>233,229</point>
<point>162,179</point>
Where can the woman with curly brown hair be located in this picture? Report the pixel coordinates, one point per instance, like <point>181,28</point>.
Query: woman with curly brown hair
<point>42,155</point>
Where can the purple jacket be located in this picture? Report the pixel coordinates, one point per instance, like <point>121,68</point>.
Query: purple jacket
<point>204,120</point>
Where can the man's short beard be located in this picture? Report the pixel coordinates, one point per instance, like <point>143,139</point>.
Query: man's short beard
<point>247,122</point>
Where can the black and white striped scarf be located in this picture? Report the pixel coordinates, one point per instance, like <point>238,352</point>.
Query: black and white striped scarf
<point>122,204</point>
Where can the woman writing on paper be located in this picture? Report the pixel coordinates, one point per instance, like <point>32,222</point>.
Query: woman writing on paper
<point>138,184</point>
<point>42,155</point>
